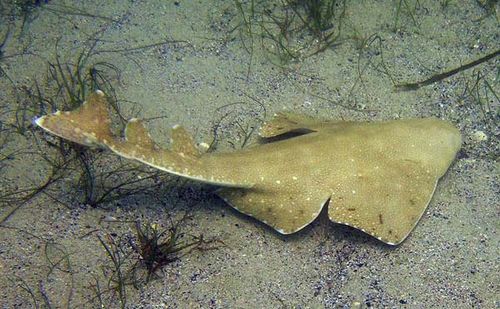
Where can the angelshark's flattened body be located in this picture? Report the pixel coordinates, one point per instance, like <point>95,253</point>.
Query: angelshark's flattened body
<point>377,176</point>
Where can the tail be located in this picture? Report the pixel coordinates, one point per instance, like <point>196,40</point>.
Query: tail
<point>90,125</point>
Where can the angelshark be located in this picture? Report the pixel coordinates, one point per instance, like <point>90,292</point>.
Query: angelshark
<point>377,177</point>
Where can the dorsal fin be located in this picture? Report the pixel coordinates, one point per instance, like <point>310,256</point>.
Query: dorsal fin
<point>283,123</point>
<point>136,133</point>
<point>182,142</point>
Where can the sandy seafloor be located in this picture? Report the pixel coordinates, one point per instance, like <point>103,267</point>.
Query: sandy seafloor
<point>450,260</point>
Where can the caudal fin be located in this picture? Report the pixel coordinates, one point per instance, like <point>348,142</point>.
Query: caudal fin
<point>87,125</point>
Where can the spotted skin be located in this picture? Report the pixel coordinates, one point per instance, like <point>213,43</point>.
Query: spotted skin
<point>377,177</point>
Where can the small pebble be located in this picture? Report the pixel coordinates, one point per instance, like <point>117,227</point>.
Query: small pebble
<point>109,218</point>
<point>479,136</point>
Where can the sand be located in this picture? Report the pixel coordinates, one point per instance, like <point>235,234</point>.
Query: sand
<point>50,254</point>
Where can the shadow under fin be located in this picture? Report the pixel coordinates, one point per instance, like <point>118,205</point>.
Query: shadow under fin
<point>288,123</point>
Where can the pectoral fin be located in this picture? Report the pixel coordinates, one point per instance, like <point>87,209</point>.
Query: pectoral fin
<point>286,210</point>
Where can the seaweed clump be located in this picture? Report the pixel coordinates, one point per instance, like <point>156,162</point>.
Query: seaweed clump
<point>158,248</point>
<point>96,177</point>
<point>136,260</point>
<point>290,30</point>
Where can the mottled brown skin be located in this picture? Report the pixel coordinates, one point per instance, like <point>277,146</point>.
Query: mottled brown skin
<point>378,176</point>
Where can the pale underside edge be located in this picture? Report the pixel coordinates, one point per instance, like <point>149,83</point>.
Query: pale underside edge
<point>39,122</point>
<point>409,231</point>
<point>201,179</point>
